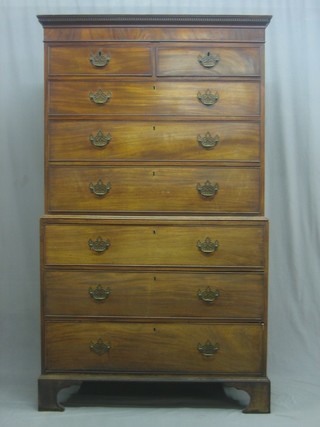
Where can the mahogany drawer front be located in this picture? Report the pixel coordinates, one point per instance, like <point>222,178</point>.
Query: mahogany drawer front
<point>154,294</point>
<point>157,245</point>
<point>154,347</point>
<point>154,98</point>
<point>217,61</point>
<point>157,141</point>
<point>99,60</point>
<point>154,189</point>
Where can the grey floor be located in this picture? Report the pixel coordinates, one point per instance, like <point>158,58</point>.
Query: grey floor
<point>295,403</point>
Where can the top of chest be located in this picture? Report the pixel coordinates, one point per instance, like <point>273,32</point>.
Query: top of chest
<point>232,28</point>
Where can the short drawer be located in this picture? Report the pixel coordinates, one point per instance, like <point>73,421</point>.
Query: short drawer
<point>208,60</point>
<point>94,189</point>
<point>154,347</point>
<point>151,98</point>
<point>99,60</point>
<point>120,243</point>
<point>154,294</point>
<point>154,141</point>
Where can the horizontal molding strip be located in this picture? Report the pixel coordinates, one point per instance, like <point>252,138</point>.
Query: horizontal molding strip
<point>134,20</point>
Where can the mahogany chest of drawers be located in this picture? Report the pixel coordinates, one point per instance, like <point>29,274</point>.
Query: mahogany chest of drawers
<point>154,247</point>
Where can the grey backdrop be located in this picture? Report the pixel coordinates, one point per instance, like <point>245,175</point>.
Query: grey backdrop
<point>292,205</point>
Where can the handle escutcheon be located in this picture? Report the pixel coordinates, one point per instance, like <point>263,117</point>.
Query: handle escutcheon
<point>208,349</point>
<point>207,141</point>
<point>99,245</point>
<point>100,140</point>
<point>99,347</point>
<point>208,246</point>
<point>100,189</point>
<point>208,295</point>
<point>209,60</point>
<point>208,190</point>
<point>99,294</point>
<point>100,97</point>
<point>208,98</point>
<point>99,59</point>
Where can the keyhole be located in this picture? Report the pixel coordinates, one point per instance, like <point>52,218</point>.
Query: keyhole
<point>154,87</point>
<point>153,173</point>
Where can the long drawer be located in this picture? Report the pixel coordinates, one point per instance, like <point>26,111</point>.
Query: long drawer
<point>154,294</point>
<point>157,141</point>
<point>154,347</point>
<point>154,189</point>
<point>101,242</point>
<point>155,98</point>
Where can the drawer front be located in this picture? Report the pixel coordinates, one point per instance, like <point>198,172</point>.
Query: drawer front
<point>150,98</point>
<point>208,60</point>
<point>153,295</point>
<point>99,60</point>
<point>154,189</point>
<point>156,347</point>
<point>158,245</point>
<point>160,141</point>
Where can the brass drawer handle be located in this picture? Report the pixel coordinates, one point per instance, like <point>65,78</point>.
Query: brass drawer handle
<point>208,349</point>
<point>209,60</point>
<point>100,97</point>
<point>208,246</point>
<point>208,98</point>
<point>99,59</point>
<point>99,245</point>
<point>208,295</point>
<point>100,140</point>
<point>100,347</point>
<point>208,190</point>
<point>207,141</point>
<point>99,294</point>
<point>100,189</point>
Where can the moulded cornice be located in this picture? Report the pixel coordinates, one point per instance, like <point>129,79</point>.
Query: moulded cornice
<point>150,20</point>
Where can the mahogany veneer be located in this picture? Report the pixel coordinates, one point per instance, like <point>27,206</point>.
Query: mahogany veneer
<point>154,247</point>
